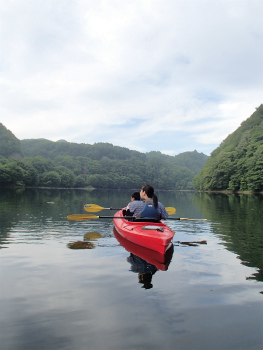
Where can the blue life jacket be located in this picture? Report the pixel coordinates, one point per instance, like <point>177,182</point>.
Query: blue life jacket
<point>150,212</point>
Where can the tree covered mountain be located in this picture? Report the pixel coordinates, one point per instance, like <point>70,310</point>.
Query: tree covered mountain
<point>102,165</point>
<point>9,145</point>
<point>237,164</point>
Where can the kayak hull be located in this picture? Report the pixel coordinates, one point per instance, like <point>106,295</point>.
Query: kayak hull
<point>160,261</point>
<point>154,236</point>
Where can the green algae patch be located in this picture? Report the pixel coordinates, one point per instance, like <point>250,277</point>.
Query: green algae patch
<point>81,245</point>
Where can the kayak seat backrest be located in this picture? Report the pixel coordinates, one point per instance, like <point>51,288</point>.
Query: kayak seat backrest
<point>147,220</point>
<point>149,212</point>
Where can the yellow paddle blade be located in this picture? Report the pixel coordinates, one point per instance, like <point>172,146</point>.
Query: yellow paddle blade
<point>92,208</point>
<point>170,210</point>
<point>92,236</point>
<point>76,217</point>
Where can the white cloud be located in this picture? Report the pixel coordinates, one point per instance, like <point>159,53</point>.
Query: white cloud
<point>85,70</point>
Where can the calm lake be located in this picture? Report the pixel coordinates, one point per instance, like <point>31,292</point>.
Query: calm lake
<point>209,297</point>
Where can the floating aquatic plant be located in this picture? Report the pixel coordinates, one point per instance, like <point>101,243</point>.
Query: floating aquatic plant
<point>81,245</point>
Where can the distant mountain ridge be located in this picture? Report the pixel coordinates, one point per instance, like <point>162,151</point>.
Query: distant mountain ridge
<point>41,162</point>
<point>50,149</point>
<point>237,164</point>
<point>10,146</point>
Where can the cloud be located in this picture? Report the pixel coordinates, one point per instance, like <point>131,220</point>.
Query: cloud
<point>131,72</point>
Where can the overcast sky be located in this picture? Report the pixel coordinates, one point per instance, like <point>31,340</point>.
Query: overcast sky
<point>161,75</point>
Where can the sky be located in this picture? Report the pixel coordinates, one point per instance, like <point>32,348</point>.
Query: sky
<point>150,75</point>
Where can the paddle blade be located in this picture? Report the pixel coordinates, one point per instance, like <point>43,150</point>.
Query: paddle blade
<point>92,208</point>
<point>92,236</point>
<point>170,210</point>
<point>78,217</point>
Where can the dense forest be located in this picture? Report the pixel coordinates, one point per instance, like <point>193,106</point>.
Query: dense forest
<point>40,162</point>
<point>237,164</point>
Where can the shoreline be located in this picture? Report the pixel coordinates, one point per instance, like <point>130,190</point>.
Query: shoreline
<point>130,189</point>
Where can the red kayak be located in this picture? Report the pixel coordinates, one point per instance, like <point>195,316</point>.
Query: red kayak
<point>160,261</point>
<point>151,235</point>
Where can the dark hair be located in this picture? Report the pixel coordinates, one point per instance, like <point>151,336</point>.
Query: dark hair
<point>149,190</point>
<point>136,196</point>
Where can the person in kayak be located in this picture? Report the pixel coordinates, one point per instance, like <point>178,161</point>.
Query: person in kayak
<point>149,207</point>
<point>134,197</point>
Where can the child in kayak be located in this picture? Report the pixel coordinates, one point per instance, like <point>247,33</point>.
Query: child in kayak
<point>135,197</point>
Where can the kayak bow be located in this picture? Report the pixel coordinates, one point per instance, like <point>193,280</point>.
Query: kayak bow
<point>151,235</point>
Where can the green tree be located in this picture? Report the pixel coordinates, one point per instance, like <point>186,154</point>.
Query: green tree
<point>9,145</point>
<point>67,177</point>
<point>11,175</point>
<point>50,179</point>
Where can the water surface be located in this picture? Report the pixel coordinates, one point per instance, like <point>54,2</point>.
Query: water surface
<point>54,297</point>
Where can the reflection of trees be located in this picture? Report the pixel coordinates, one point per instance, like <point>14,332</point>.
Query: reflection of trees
<point>35,205</point>
<point>41,205</point>
<point>241,219</point>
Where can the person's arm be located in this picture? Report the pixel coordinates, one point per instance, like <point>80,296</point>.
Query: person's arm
<point>163,212</point>
<point>130,207</point>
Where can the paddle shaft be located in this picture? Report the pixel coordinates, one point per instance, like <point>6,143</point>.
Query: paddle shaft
<point>93,208</point>
<point>90,217</point>
<point>128,217</point>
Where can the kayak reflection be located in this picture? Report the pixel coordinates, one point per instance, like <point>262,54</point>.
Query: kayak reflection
<point>145,261</point>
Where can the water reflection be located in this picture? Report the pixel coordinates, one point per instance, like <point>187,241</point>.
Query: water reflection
<point>53,297</point>
<point>86,244</point>
<point>92,236</point>
<point>238,220</point>
<point>34,215</point>
<point>145,261</point>
<point>144,269</point>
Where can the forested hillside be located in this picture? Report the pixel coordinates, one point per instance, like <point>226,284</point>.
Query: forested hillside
<point>102,165</point>
<point>9,145</point>
<point>237,164</point>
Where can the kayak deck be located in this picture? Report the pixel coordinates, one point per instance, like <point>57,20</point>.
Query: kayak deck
<point>152,235</point>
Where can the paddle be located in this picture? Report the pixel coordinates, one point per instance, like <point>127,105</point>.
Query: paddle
<point>94,208</point>
<point>77,217</point>
<point>90,217</point>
